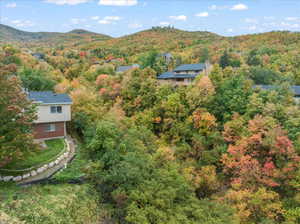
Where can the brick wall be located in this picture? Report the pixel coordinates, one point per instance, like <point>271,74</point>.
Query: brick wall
<point>39,130</point>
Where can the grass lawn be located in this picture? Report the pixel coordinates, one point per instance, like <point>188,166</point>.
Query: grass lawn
<point>54,147</point>
<point>49,204</point>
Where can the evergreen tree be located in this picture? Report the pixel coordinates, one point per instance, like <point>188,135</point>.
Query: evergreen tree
<point>224,60</point>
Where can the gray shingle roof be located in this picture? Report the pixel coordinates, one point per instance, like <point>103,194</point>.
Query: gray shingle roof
<point>172,75</point>
<point>295,89</point>
<point>190,67</point>
<point>48,97</point>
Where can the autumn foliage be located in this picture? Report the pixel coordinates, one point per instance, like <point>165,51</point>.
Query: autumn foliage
<point>263,157</point>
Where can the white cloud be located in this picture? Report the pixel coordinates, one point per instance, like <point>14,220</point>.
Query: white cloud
<point>11,5</point>
<point>112,18</point>
<point>213,7</point>
<point>66,25</point>
<point>109,19</point>
<point>239,7</point>
<point>164,23</point>
<point>270,24</point>
<point>216,7</point>
<point>77,20</point>
<point>103,21</point>
<point>181,17</point>
<point>202,14</point>
<point>135,25</point>
<point>295,26</point>
<point>251,20</point>
<point>67,2</point>
<point>269,17</point>
<point>252,28</point>
<point>291,18</point>
<point>230,30</point>
<point>16,21</point>
<point>23,23</point>
<point>95,17</point>
<point>118,2</point>
<point>290,25</point>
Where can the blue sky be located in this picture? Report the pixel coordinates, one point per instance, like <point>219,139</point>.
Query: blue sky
<point>121,17</point>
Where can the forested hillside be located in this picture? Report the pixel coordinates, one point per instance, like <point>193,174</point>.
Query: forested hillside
<point>217,151</point>
<point>9,34</point>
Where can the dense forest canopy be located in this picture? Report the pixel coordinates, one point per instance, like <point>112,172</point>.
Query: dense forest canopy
<point>216,151</point>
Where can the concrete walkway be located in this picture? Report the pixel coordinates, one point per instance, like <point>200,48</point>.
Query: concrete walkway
<point>51,171</point>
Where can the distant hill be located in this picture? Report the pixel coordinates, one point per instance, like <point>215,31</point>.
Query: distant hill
<point>81,31</point>
<point>157,38</point>
<point>10,34</point>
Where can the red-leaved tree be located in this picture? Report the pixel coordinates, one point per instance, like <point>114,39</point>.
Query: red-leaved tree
<point>263,156</point>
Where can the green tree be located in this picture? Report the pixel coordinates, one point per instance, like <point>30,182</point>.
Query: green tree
<point>253,58</point>
<point>12,59</point>
<point>141,184</point>
<point>224,60</point>
<point>16,115</point>
<point>231,96</point>
<point>202,54</point>
<point>139,91</point>
<point>148,60</point>
<point>36,80</point>
<point>264,76</point>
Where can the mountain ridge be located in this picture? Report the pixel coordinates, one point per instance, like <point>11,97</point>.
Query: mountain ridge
<point>10,34</point>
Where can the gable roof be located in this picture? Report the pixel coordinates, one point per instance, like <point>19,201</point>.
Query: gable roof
<point>295,89</point>
<point>126,67</point>
<point>49,97</point>
<point>172,75</point>
<point>190,67</point>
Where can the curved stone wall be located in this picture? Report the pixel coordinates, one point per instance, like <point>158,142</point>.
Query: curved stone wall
<point>39,170</point>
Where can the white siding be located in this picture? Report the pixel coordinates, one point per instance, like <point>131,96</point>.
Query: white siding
<point>44,114</point>
<point>189,72</point>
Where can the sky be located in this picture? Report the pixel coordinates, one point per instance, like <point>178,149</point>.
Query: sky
<point>121,17</point>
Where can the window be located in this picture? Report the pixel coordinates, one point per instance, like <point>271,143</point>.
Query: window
<point>49,127</point>
<point>59,109</point>
<point>56,109</point>
<point>53,110</point>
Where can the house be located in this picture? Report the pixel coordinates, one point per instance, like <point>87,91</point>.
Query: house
<point>53,111</point>
<point>121,69</point>
<point>38,56</point>
<point>294,89</point>
<point>183,74</point>
<point>167,57</point>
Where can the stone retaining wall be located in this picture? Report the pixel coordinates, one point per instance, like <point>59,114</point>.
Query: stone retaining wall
<point>39,170</point>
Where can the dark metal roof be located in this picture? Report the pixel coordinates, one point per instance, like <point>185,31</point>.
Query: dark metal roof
<point>48,97</point>
<point>127,67</point>
<point>172,75</point>
<point>38,55</point>
<point>190,67</point>
<point>295,89</point>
